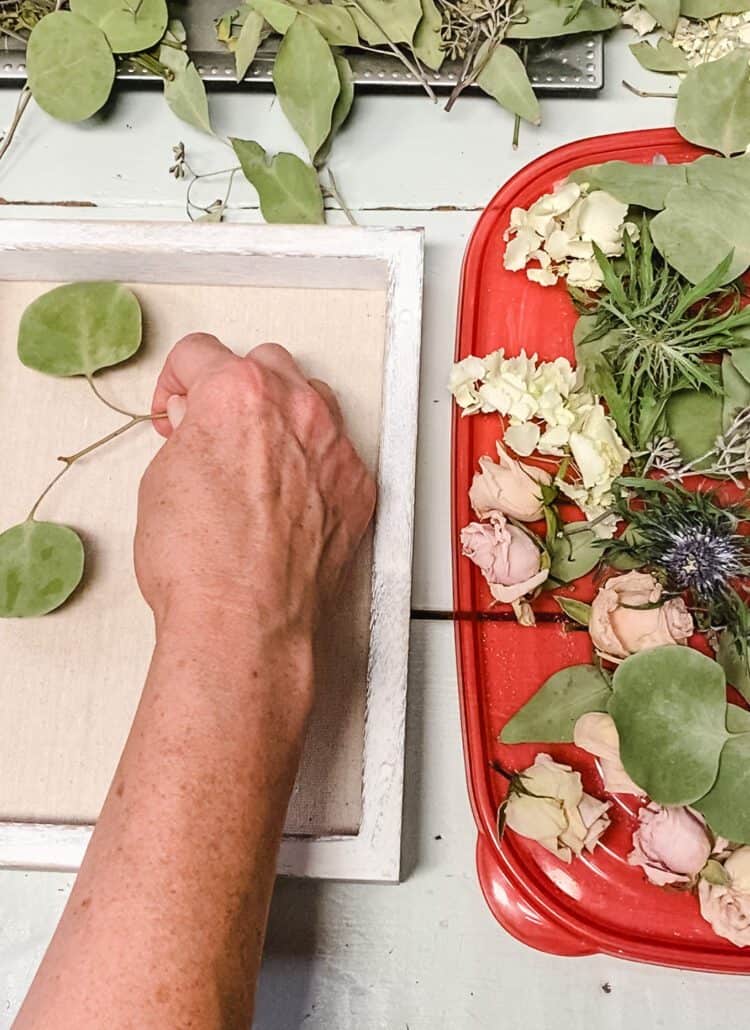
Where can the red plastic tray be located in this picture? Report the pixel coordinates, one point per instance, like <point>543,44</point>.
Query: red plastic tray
<point>599,903</point>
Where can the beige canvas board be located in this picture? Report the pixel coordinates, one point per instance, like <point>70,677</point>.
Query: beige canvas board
<point>70,682</point>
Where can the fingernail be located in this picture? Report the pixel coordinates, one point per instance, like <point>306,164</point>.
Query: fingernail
<point>176,408</point>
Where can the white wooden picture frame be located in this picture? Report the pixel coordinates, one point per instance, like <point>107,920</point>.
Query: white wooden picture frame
<point>286,256</point>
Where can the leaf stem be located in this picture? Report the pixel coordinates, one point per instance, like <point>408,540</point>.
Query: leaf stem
<point>23,102</point>
<point>70,459</point>
<point>109,404</point>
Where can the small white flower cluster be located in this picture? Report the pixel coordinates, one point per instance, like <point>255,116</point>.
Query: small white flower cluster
<point>559,231</point>
<point>703,41</point>
<point>547,412</point>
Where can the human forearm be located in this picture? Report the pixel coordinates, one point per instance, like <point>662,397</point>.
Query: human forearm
<point>168,913</point>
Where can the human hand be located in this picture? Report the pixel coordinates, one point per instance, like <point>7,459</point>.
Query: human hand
<point>258,500</point>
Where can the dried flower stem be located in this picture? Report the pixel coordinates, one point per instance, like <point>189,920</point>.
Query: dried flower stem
<point>648,93</point>
<point>23,102</point>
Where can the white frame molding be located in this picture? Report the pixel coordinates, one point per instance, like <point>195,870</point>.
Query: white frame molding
<point>261,255</point>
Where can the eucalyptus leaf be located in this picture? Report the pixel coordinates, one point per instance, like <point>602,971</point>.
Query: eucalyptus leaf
<point>129,25</point>
<point>288,189</point>
<point>248,42</point>
<point>578,611</point>
<point>551,714</point>
<point>725,807</point>
<point>733,664</point>
<point>505,78</point>
<point>307,83</point>
<point>736,390</point>
<point>713,104</point>
<point>702,9</point>
<point>644,185</point>
<point>69,65</point>
<point>664,57</point>
<point>428,38</point>
<point>341,108</point>
<point>738,719</point>
<point>715,873</point>
<point>279,15</point>
<point>699,227</point>
<point>725,176</point>
<point>694,421</point>
<point>574,553</point>
<point>669,706</point>
<point>41,564</point>
<point>666,12</point>
<point>80,328</point>
<point>185,93</point>
<point>385,21</point>
<point>545,18</point>
<point>335,24</point>
<point>741,362</point>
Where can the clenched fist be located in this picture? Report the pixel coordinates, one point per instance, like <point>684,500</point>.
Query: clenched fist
<point>258,500</point>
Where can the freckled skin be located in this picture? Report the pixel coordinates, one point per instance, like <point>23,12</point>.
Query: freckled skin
<point>247,519</point>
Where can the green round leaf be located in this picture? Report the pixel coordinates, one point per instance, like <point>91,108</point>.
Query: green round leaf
<point>669,706</point>
<point>643,185</point>
<point>725,806</point>
<point>129,25</point>
<point>80,328</point>
<point>41,564</point>
<point>694,420</point>
<point>551,714</point>
<point>70,66</point>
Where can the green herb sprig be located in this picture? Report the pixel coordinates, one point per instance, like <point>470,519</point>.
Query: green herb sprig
<point>650,333</point>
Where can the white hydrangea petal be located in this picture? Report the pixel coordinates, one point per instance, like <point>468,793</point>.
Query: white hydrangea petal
<point>519,248</point>
<point>543,276</point>
<point>639,19</point>
<point>557,203</point>
<point>522,438</point>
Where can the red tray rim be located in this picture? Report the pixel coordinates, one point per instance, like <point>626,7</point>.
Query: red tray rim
<point>535,917</point>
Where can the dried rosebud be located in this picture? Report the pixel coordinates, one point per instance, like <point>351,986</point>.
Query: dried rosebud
<point>508,487</point>
<point>508,558</point>
<point>548,804</point>
<point>671,845</point>
<point>627,616</point>
<point>727,906</point>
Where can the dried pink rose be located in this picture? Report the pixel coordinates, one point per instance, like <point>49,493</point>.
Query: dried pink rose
<point>671,845</point>
<point>596,733</point>
<point>508,558</point>
<point>727,906</point>
<point>508,488</point>
<point>621,625</point>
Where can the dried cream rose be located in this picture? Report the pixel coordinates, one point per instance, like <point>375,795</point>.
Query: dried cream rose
<point>619,624</point>
<point>671,845</point>
<point>552,808</point>
<point>507,557</point>
<point>596,733</point>
<point>508,488</point>
<point>727,906</point>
